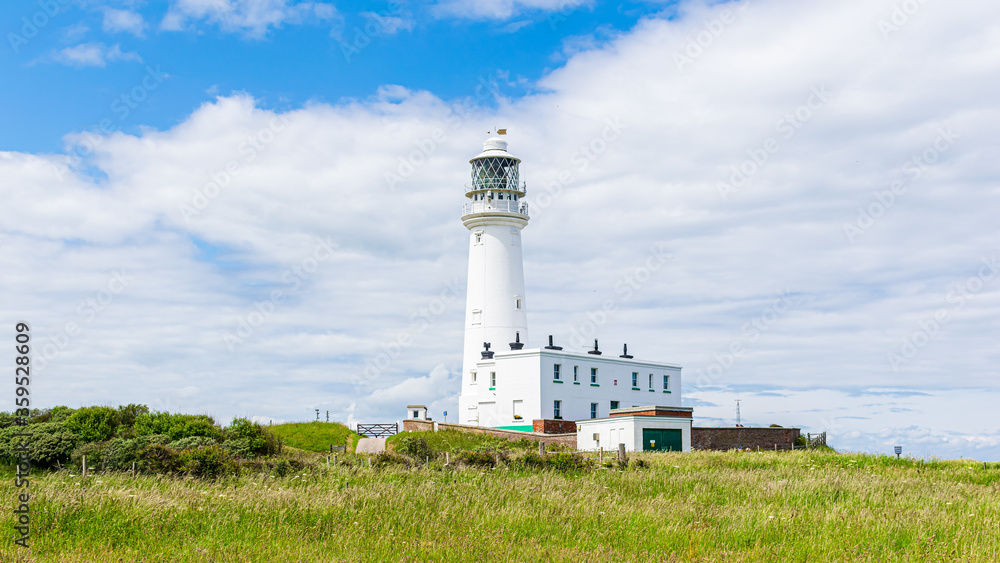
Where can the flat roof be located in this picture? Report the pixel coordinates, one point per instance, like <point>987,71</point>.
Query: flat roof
<point>609,358</point>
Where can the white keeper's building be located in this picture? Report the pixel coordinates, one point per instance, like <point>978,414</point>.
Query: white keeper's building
<point>507,385</point>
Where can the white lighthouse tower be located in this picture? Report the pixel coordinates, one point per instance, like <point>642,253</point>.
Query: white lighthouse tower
<point>546,389</point>
<point>495,212</point>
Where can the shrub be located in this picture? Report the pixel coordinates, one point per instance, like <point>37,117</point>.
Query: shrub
<point>93,424</point>
<point>176,426</point>
<point>48,443</point>
<point>477,459</point>
<point>7,419</point>
<point>191,443</point>
<point>127,415</point>
<point>531,460</point>
<point>414,446</point>
<point>92,450</point>
<point>566,461</point>
<point>210,461</point>
<point>159,459</point>
<point>386,459</point>
<point>60,414</point>
<point>249,439</point>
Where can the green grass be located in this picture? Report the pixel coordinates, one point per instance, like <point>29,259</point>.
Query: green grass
<point>699,507</point>
<point>315,436</point>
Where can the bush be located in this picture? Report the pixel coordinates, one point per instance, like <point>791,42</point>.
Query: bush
<point>92,450</point>
<point>48,443</point>
<point>127,415</point>
<point>478,459</point>
<point>93,424</point>
<point>191,443</point>
<point>159,459</point>
<point>60,414</point>
<point>210,461</point>
<point>531,460</point>
<point>120,453</point>
<point>386,459</point>
<point>249,439</point>
<point>176,426</point>
<point>414,446</point>
<point>566,462</point>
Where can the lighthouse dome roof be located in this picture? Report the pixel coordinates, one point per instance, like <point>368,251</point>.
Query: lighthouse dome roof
<point>494,147</point>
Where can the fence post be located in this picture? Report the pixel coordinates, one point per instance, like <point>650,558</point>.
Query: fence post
<point>541,448</point>
<point>133,469</point>
<point>600,455</point>
<point>447,458</point>
<point>84,466</point>
<point>621,454</point>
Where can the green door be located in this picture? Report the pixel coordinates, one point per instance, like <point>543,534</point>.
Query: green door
<point>661,440</point>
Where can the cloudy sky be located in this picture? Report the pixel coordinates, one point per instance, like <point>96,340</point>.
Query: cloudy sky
<point>242,207</point>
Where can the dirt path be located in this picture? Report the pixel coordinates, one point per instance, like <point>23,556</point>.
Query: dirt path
<point>370,445</point>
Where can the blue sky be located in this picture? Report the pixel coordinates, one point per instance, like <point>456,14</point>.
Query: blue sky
<point>822,177</point>
<point>348,54</point>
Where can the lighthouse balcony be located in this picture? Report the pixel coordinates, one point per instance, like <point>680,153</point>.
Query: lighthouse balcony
<point>495,206</point>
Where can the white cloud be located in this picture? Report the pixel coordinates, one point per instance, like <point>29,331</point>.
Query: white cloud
<point>94,54</point>
<point>684,126</point>
<point>251,17</point>
<point>503,9</point>
<point>117,21</point>
<point>390,24</point>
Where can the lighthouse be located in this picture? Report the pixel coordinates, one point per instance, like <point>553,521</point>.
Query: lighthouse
<point>509,386</point>
<point>494,212</point>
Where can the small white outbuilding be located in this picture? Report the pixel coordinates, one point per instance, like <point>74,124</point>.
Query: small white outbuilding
<point>652,428</point>
<point>416,412</point>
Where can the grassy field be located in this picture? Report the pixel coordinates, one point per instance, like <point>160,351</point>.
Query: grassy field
<point>705,506</point>
<point>315,436</point>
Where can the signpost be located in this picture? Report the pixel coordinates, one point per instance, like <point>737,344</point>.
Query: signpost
<point>898,450</point>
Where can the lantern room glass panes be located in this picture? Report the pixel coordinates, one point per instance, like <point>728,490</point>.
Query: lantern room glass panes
<point>494,174</point>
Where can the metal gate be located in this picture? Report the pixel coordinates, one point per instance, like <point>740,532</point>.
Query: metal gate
<point>377,430</point>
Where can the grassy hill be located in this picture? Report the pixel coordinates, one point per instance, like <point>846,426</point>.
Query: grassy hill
<point>698,507</point>
<point>315,436</point>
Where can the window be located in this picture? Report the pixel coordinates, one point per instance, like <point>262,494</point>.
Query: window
<point>557,410</point>
<point>576,374</point>
<point>593,410</point>
<point>517,303</point>
<point>477,317</point>
<point>593,375</point>
<point>635,379</point>
<point>493,379</point>
<point>666,382</point>
<point>555,372</point>
<point>517,409</point>
<point>650,382</point>
<point>473,372</point>
<point>479,237</point>
<point>614,404</point>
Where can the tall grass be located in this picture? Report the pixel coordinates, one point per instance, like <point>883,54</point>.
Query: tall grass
<point>704,506</point>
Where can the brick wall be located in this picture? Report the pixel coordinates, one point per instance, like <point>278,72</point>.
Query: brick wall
<point>553,426</point>
<point>729,438</point>
<point>428,426</point>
